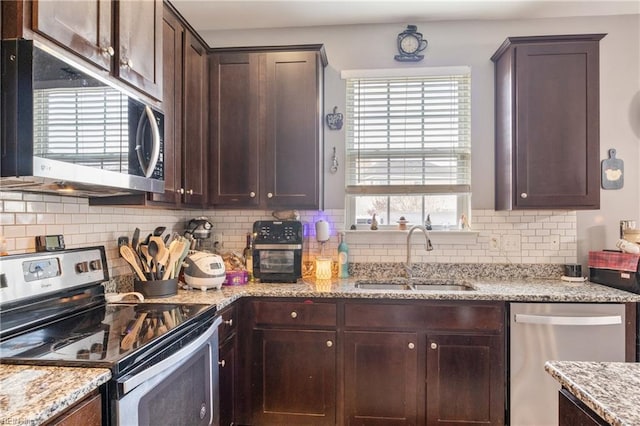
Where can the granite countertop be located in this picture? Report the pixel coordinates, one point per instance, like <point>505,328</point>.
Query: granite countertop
<point>522,290</point>
<point>602,386</point>
<point>33,394</point>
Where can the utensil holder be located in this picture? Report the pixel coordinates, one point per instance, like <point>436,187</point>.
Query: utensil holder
<point>157,288</point>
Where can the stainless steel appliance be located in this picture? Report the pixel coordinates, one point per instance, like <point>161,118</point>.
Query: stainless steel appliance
<point>556,331</point>
<point>277,250</point>
<point>162,356</point>
<point>66,130</point>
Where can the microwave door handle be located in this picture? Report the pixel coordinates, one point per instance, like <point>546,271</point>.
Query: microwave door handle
<point>155,149</point>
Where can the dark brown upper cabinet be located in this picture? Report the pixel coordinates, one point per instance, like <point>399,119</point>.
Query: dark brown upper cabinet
<point>266,127</point>
<point>185,104</point>
<point>123,39</point>
<point>547,144</point>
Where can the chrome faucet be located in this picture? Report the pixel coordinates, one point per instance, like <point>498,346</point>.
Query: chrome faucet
<point>428,246</point>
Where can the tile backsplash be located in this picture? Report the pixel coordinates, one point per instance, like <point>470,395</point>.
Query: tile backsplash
<point>496,237</point>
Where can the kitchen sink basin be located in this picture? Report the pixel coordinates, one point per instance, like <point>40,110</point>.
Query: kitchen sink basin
<point>368,285</point>
<point>414,284</point>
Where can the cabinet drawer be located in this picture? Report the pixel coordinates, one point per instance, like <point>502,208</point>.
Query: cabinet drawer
<point>293,314</point>
<point>229,323</point>
<point>467,316</point>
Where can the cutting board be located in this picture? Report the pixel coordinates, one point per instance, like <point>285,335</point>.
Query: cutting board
<point>612,172</point>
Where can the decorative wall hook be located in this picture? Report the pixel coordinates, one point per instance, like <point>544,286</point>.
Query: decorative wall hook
<point>334,161</point>
<point>335,119</point>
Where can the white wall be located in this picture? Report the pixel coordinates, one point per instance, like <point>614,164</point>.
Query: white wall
<point>472,43</point>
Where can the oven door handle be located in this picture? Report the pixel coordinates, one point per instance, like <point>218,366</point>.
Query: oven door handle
<point>130,384</point>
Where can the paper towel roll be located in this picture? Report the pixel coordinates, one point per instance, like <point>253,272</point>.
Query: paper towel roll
<point>322,231</point>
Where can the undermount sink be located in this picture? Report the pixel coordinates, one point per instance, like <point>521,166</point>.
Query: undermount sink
<point>414,284</point>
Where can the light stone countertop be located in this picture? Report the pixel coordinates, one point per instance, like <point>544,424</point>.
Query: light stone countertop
<point>34,394</point>
<point>521,290</point>
<point>608,388</point>
<point>30,395</point>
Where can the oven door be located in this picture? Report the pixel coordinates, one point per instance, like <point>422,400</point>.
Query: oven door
<point>277,264</point>
<point>182,389</point>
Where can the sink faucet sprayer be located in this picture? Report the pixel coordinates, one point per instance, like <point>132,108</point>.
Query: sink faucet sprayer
<point>428,246</point>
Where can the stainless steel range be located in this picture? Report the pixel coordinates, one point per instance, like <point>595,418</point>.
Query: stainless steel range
<point>163,357</point>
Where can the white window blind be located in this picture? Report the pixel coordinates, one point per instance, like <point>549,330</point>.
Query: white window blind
<point>84,125</point>
<point>409,135</point>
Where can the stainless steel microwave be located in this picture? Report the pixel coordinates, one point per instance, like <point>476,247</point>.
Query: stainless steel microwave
<point>67,130</point>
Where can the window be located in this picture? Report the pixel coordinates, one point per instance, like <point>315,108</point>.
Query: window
<point>409,148</point>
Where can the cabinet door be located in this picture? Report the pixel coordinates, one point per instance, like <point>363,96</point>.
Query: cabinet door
<point>228,380</point>
<point>195,143</point>
<point>173,40</point>
<point>87,412</point>
<point>84,26</point>
<point>294,377</point>
<point>293,155</point>
<point>234,130</point>
<point>557,131</point>
<point>139,53</point>
<point>380,378</point>
<point>465,380</point>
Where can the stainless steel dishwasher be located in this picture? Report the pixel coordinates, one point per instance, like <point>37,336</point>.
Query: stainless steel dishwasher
<point>556,331</point>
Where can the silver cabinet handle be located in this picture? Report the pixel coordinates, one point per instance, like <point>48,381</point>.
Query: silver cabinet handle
<point>434,345</point>
<point>222,363</point>
<point>252,194</point>
<point>229,322</point>
<point>561,320</point>
<point>329,343</point>
<point>190,192</point>
<point>411,345</point>
<point>181,190</point>
<point>269,195</point>
<point>294,314</point>
<point>524,195</point>
<point>107,51</point>
<point>126,63</point>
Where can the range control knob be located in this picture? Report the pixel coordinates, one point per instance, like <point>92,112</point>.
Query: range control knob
<point>95,265</point>
<point>82,267</point>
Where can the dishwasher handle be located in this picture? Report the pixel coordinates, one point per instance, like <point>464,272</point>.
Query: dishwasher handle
<point>567,320</point>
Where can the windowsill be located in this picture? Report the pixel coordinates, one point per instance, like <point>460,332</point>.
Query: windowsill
<point>395,236</point>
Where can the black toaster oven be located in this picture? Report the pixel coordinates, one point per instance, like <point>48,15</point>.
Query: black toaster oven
<point>277,250</point>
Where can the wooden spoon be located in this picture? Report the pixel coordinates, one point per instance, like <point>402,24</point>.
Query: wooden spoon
<point>128,340</point>
<point>128,255</point>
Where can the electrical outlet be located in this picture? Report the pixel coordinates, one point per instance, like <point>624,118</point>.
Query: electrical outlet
<point>555,242</point>
<point>511,242</point>
<point>494,243</point>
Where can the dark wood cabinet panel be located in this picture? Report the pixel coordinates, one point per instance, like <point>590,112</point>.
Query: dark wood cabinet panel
<point>266,118</point>
<point>234,130</point>
<point>381,378</point>
<point>573,412</point>
<point>87,412</point>
<point>84,27</point>
<point>228,380</point>
<point>465,380</point>
<point>295,314</point>
<point>195,141</point>
<point>294,377</point>
<point>293,151</point>
<point>139,52</point>
<point>547,122</point>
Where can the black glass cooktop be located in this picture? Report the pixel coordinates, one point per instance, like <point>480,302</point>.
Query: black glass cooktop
<point>105,335</point>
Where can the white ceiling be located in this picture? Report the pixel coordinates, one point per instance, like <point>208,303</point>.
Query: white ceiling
<point>216,15</point>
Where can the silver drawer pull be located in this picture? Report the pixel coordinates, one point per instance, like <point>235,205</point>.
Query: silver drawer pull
<point>329,343</point>
<point>222,363</point>
<point>294,314</point>
<point>228,322</point>
<point>434,345</point>
<point>411,345</point>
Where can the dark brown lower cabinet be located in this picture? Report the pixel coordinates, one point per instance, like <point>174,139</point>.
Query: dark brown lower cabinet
<point>381,378</point>
<point>228,380</point>
<point>294,377</point>
<point>464,380</point>
<point>87,412</point>
<point>573,412</point>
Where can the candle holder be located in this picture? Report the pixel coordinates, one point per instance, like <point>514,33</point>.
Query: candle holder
<point>323,268</point>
